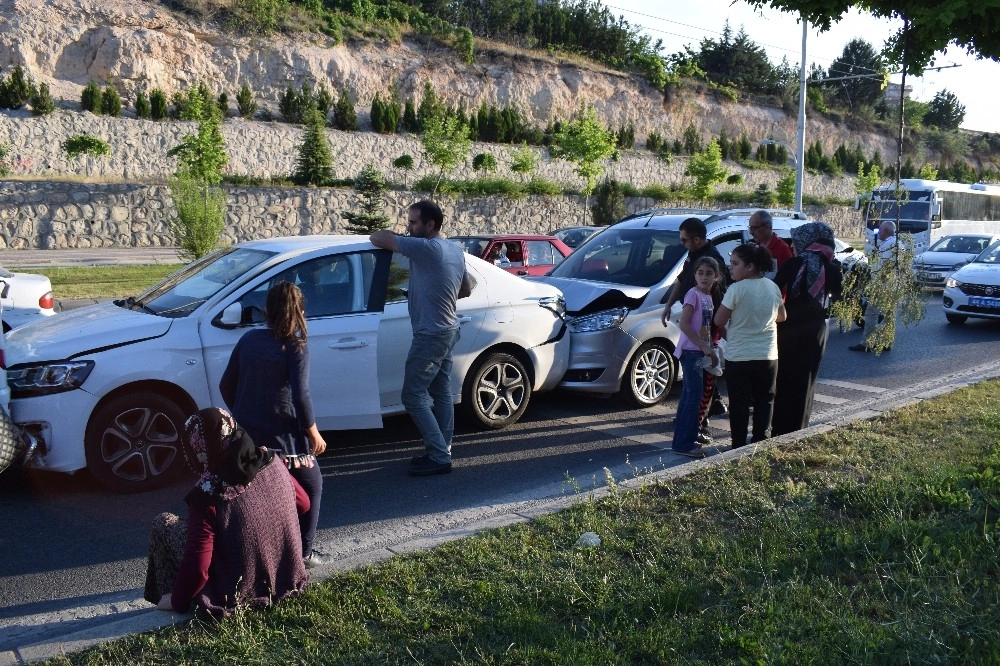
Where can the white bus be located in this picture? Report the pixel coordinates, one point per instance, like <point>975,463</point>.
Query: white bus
<point>931,209</point>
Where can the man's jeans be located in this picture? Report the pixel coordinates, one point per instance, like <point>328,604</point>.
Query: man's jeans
<point>427,391</point>
<point>686,423</point>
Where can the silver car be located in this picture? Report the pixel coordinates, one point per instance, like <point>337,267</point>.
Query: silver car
<point>934,266</point>
<point>613,285</point>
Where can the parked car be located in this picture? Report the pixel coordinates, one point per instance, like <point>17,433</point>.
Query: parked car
<point>974,289</point>
<point>848,255</point>
<point>613,285</point>
<point>107,387</point>
<point>26,297</point>
<point>574,236</point>
<point>526,254</point>
<point>935,265</point>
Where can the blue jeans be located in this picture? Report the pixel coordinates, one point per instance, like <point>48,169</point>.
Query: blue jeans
<point>427,391</point>
<point>687,422</point>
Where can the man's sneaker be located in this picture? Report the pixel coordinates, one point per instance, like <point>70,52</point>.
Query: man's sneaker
<point>429,467</point>
<point>703,438</point>
<point>696,452</point>
<point>718,408</point>
<point>419,460</point>
<point>316,559</point>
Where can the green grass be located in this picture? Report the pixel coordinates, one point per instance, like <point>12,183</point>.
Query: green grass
<point>104,281</point>
<point>872,544</point>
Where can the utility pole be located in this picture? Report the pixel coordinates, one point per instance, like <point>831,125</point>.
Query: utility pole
<point>800,161</point>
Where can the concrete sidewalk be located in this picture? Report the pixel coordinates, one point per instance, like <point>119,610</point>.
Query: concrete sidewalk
<point>19,260</point>
<point>80,623</point>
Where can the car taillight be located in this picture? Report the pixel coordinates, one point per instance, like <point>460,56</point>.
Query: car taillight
<point>46,302</point>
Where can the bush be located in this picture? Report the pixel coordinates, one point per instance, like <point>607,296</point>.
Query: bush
<point>16,90</point>
<point>763,197</point>
<point>142,108</point>
<point>484,162</point>
<point>656,192</point>
<point>735,179</point>
<point>245,103</point>
<point>344,116</point>
<point>111,102</point>
<point>90,99</point>
<point>157,104</point>
<point>42,102</point>
<point>84,144</point>
<point>201,216</point>
<point>609,202</point>
<point>543,187</point>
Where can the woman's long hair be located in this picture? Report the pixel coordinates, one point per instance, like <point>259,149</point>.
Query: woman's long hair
<point>284,312</point>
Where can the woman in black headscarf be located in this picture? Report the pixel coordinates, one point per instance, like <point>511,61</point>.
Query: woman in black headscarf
<point>240,543</point>
<point>809,280</point>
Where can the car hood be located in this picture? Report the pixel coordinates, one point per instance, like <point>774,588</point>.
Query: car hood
<point>80,331</point>
<point>988,274</point>
<point>584,297</point>
<point>944,258</point>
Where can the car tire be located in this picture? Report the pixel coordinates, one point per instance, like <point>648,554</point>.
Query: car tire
<point>649,375</point>
<point>134,444</point>
<point>955,319</point>
<point>496,392</point>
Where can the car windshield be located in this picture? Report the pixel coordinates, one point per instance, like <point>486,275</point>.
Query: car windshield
<point>181,293</point>
<point>990,255</point>
<point>635,257</point>
<point>963,244</point>
<point>473,246</point>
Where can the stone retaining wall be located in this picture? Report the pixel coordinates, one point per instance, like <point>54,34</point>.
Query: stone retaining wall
<point>60,215</point>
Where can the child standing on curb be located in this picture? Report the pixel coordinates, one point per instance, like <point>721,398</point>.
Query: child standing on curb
<point>694,346</point>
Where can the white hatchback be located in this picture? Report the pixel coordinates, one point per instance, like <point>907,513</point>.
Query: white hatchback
<point>25,297</point>
<point>974,289</point>
<point>107,387</point>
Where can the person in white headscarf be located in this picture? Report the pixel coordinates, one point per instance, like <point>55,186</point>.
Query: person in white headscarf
<point>809,280</point>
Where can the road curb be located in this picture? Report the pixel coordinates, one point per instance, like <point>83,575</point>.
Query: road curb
<point>125,613</point>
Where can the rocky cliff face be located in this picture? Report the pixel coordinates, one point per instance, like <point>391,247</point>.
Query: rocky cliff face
<point>139,45</point>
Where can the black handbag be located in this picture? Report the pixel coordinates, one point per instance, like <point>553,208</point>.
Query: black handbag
<point>13,443</point>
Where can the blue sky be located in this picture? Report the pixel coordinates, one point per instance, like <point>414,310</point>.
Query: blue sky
<point>679,23</point>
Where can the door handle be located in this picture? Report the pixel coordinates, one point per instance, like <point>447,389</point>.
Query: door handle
<point>348,343</point>
<point>522,272</point>
<point>464,319</point>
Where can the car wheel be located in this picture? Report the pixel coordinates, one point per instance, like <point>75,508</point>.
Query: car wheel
<point>649,375</point>
<point>955,319</point>
<point>496,392</point>
<point>133,442</point>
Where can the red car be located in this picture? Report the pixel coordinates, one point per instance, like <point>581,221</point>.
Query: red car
<point>524,254</point>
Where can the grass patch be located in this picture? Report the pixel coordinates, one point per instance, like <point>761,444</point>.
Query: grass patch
<point>875,543</point>
<point>104,281</point>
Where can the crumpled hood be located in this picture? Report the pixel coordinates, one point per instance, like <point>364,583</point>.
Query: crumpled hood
<point>944,258</point>
<point>585,297</point>
<point>78,331</point>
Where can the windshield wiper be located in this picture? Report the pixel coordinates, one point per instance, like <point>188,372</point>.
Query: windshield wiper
<point>132,303</point>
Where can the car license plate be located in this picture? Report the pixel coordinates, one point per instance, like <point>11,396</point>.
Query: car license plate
<point>985,302</point>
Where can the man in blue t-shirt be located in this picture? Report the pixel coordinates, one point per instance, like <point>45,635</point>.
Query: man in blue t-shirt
<point>438,278</point>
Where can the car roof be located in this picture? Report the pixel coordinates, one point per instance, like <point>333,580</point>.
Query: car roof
<point>505,237</point>
<point>671,218</point>
<point>282,244</point>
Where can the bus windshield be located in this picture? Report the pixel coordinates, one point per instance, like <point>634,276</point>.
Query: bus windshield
<point>916,207</point>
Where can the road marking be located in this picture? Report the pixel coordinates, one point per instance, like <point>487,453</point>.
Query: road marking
<point>852,386</point>
<point>829,399</point>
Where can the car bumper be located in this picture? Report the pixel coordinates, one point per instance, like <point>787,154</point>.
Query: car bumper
<point>597,360</point>
<point>958,303</point>
<point>551,361</point>
<point>58,422</point>
<point>933,280</point>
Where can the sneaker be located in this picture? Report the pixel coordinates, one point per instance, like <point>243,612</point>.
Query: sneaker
<point>429,467</point>
<point>696,452</point>
<point>718,408</point>
<point>316,559</point>
<point>419,460</point>
<point>860,347</point>
<point>703,438</point>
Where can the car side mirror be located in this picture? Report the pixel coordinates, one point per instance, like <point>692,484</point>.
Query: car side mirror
<point>231,317</point>
<point>5,289</point>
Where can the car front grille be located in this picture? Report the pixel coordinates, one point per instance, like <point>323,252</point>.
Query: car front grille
<point>980,289</point>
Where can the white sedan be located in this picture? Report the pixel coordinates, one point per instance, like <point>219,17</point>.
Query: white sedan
<point>107,387</point>
<point>25,297</point>
<point>974,289</point>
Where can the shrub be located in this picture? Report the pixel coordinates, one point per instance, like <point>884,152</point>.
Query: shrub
<point>84,144</point>
<point>42,102</point>
<point>764,197</point>
<point>484,162</point>
<point>223,102</point>
<point>245,103</point>
<point>90,99</point>
<point>157,104</point>
<point>16,90</point>
<point>609,202</point>
<point>5,150</point>
<point>201,216</point>
<point>656,192</point>
<point>371,185</point>
<point>111,102</point>
<point>543,186</point>
<point>344,116</point>
<point>735,179</point>
<point>142,108</point>
<point>654,141</point>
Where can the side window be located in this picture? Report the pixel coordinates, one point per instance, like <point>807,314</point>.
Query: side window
<point>541,253</point>
<point>726,243</point>
<point>399,279</point>
<point>514,253</point>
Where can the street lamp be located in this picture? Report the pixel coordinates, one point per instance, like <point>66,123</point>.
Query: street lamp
<point>799,170</point>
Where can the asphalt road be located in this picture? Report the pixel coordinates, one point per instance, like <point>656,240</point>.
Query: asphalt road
<point>66,540</point>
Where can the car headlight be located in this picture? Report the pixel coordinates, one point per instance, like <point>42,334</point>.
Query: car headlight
<point>48,378</point>
<point>600,321</point>
<point>952,282</point>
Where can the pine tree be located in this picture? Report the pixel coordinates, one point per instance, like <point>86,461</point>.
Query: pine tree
<point>371,185</point>
<point>157,104</point>
<point>410,123</point>
<point>314,165</point>
<point>245,102</point>
<point>42,102</point>
<point>90,100</point>
<point>16,90</point>
<point>378,114</point>
<point>111,102</point>
<point>344,116</point>
<point>142,109</point>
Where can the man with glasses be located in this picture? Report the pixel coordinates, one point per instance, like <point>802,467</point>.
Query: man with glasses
<point>763,235</point>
